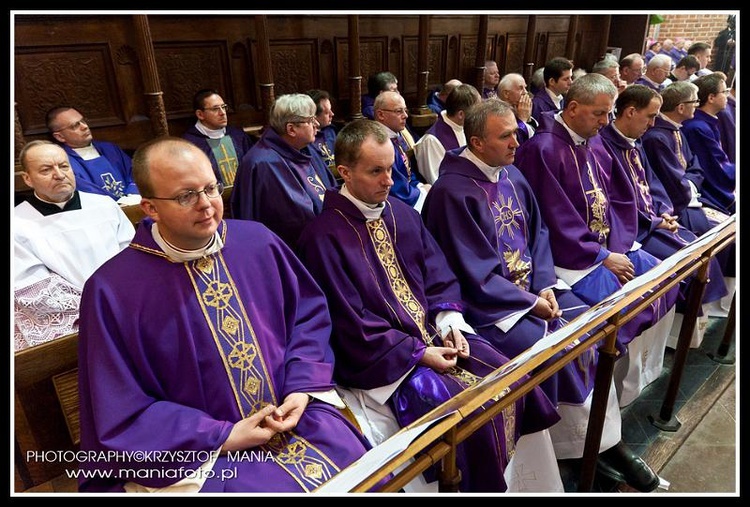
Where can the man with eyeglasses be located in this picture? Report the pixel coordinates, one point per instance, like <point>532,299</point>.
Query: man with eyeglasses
<point>224,144</point>
<point>207,342</point>
<point>99,166</point>
<point>703,135</point>
<point>681,174</point>
<point>657,71</point>
<point>60,237</point>
<point>642,196</point>
<point>390,110</point>
<point>281,181</point>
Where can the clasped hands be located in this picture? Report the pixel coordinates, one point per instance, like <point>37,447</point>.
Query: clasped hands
<point>440,359</point>
<point>260,427</point>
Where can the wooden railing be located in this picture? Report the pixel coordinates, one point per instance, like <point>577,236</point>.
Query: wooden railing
<point>438,442</point>
<point>46,398</point>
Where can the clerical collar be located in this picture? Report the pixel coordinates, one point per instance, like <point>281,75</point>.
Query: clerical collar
<point>370,211</point>
<point>87,152</point>
<point>557,99</point>
<point>210,133</point>
<point>391,133</point>
<point>452,124</point>
<point>181,255</point>
<point>47,208</point>
<point>492,173</point>
<point>578,140</point>
<point>670,120</point>
<point>630,140</point>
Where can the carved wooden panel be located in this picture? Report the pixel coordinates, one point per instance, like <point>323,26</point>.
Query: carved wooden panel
<point>186,67</point>
<point>435,62</point>
<point>79,75</point>
<point>294,65</point>
<point>514,52</point>
<point>556,42</point>
<point>373,56</point>
<point>468,56</point>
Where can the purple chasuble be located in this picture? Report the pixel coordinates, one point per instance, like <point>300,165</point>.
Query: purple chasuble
<point>386,280</point>
<point>703,135</point>
<point>634,182</point>
<point>243,328</point>
<point>572,186</point>
<point>496,243</point>
<point>280,186</point>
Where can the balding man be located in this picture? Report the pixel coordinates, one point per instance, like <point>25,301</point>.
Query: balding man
<point>390,110</point>
<point>436,99</point>
<point>215,339</point>
<point>60,236</point>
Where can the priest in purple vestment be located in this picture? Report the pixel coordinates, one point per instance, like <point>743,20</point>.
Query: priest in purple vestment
<point>512,89</point>
<point>281,181</point>
<point>634,183</point>
<point>204,356</point>
<point>569,171</point>
<point>224,144</point>
<point>484,216</point>
<point>703,135</point>
<point>592,236</point>
<point>396,308</point>
<point>678,169</point>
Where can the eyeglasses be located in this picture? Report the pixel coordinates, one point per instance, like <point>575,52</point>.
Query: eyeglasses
<point>312,120</point>
<point>694,102</point>
<point>216,109</point>
<point>724,91</point>
<point>399,111</point>
<point>190,197</point>
<point>74,126</point>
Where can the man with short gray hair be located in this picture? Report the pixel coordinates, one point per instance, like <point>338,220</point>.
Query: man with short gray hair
<point>281,181</point>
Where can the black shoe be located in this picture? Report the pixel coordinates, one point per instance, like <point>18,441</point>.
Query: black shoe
<point>620,463</point>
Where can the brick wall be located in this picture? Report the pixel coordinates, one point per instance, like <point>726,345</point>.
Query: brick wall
<point>696,27</point>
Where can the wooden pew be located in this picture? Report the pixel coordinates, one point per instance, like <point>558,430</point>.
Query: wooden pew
<point>437,444</point>
<point>46,395</point>
<point>46,411</point>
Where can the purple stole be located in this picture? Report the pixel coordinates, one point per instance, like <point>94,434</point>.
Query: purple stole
<point>247,370</point>
<point>102,167</point>
<point>637,175</point>
<point>444,133</point>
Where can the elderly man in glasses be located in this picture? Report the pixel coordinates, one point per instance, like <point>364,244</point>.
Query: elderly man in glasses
<point>99,166</point>
<point>224,144</point>
<point>390,110</point>
<point>206,344</point>
<point>281,181</point>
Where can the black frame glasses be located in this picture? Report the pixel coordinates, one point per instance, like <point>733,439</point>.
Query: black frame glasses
<point>694,102</point>
<point>191,197</point>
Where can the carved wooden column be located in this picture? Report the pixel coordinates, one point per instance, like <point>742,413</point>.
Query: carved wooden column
<point>484,21</point>
<point>423,65</point>
<point>267,96</point>
<point>528,58</point>
<point>355,73</point>
<point>150,76</point>
<point>18,139</point>
<point>606,24</point>
<point>570,44</point>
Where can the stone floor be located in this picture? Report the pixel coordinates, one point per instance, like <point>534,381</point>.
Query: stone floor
<point>701,456</point>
